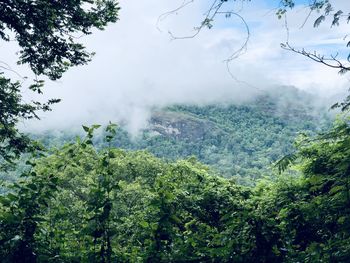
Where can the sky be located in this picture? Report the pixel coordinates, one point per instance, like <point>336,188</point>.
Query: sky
<point>138,66</point>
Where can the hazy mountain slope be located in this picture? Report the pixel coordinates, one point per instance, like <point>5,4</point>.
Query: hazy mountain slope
<point>236,140</point>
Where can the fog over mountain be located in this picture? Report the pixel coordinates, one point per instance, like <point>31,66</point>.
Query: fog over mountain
<point>138,67</point>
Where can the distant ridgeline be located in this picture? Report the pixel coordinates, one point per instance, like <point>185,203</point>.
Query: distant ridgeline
<point>236,140</point>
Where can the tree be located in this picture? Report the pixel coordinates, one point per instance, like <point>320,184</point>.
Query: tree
<point>47,33</point>
<point>12,143</point>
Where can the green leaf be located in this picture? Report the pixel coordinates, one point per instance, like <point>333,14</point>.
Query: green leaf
<point>337,189</point>
<point>144,224</point>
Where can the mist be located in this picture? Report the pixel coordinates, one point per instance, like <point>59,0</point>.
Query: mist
<point>137,67</point>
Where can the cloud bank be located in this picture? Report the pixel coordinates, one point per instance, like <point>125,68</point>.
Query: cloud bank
<point>137,66</point>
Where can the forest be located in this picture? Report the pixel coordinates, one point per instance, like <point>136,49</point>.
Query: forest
<point>240,141</point>
<point>262,180</point>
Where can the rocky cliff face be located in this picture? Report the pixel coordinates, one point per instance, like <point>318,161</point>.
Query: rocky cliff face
<point>181,126</point>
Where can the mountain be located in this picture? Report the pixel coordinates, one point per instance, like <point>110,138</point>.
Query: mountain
<point>240,140</point>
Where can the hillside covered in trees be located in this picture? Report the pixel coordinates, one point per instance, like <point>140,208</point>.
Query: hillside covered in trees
<point>236,140</point>
<point>264,179</point>
<point>81,204</point>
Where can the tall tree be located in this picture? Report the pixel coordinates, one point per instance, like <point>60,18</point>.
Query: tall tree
<point>48,34</point>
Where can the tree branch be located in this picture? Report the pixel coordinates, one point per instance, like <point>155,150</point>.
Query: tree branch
<point>331,61</point>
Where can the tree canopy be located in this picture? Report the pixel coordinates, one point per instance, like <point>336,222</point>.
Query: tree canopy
<point>80,203</point>
<point>48,31</point>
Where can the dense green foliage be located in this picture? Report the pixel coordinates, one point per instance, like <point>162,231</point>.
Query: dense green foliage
<point>47,31</point>
<point>80,204</point>
<point>89,201</point>
<point>241,140</point>
<point>13,142</point>
<point>47,34</point>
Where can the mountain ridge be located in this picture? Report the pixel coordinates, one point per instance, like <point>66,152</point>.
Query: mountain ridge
<point>235,140</point>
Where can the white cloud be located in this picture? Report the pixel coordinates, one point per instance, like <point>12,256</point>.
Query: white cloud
<point>137,67</point>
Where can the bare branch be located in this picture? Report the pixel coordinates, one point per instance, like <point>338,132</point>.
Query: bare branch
<point>331,61</point>
<point>308,15</point>
<point>165,15</point>
<point>306,19</point>
<point>244,46</point>
<point>209,16</point>
<point>7,67</point>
